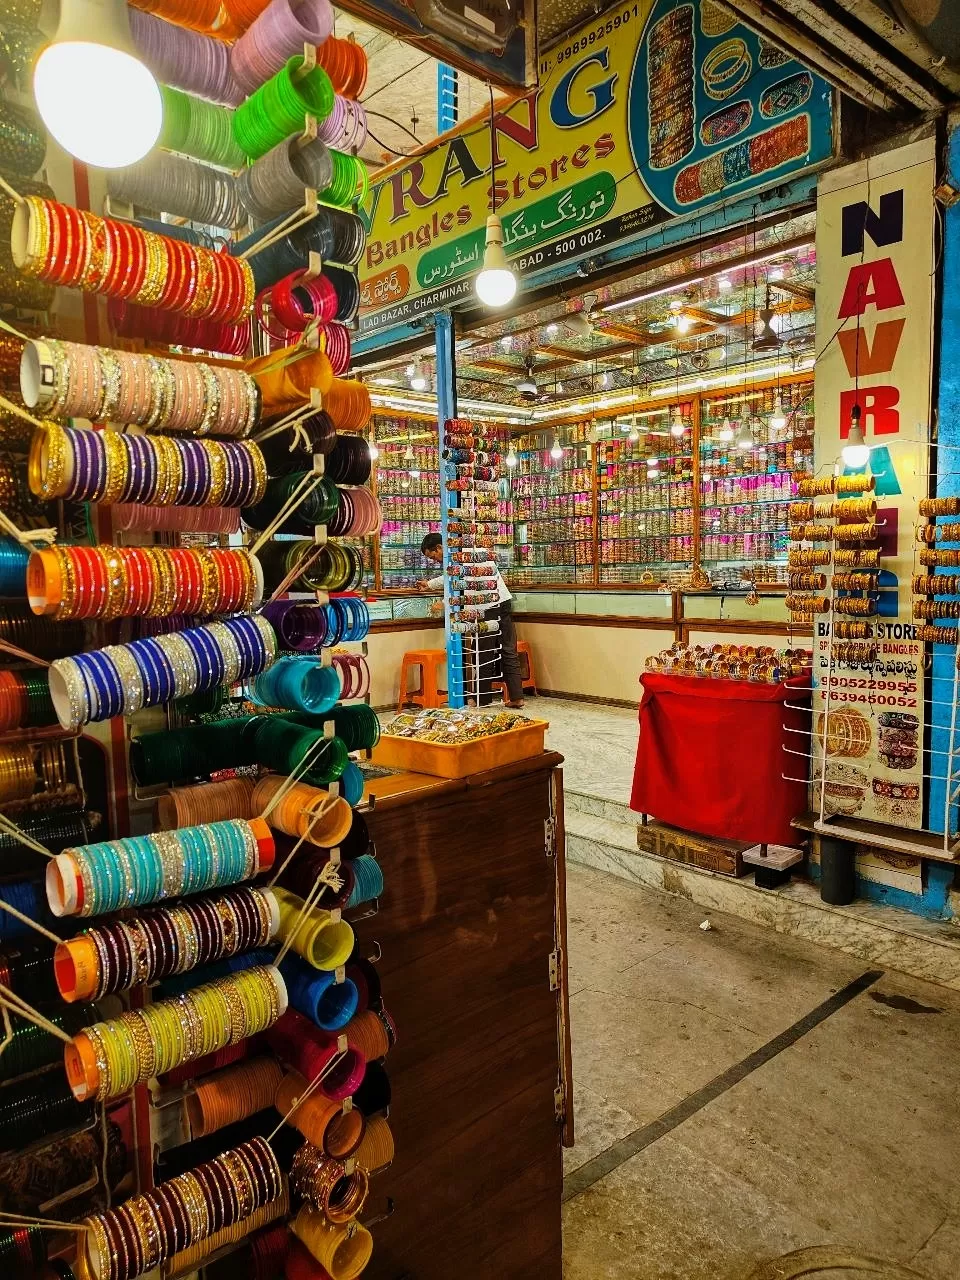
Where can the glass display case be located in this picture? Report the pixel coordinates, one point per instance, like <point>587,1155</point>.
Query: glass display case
<point>553,508</point>
<point>407,474</point>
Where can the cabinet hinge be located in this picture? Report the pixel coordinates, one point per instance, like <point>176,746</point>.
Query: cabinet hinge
<point>559,1107</point>
<point>550,836</point>
<point>554,959</point>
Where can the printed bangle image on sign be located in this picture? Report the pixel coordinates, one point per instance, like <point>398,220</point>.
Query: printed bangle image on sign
<point>694,58</point>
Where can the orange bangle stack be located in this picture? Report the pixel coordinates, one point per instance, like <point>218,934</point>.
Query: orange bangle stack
<point>325,1184</point>
<point>348,404</point>
<point>322,1121</point>
<point>205,802</point>
<point>345,62</point>
<point>233,1094</point>
<point>310,812</point>
<point>286,377</point>
<point>376,1150</point>
<point>367,1034</point>
<point>342,1251</point>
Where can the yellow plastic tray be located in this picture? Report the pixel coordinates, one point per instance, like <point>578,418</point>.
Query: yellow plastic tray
<point>458,760</point>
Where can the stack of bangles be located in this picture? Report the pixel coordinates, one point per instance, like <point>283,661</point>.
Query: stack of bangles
<point>121,679</point>
<point>205,802</point>
<point>357,515</point>
<point>149,1229</point>
<point>110,1058</point>
<point>93,879</point>
<point>183,397</point>
<point>281,105</point>
<point>296,300</point>
<point>299,684</point>
<point>160,941</point>
<point>316,935</point>
<point>82,465</point>
<point>129,321</point>
<point>154,582</point>
<point>354,674</point>
<point>79,249</point>
<point>346,125</point>
<point>329,567</point>
<point>325,1184</point>
<point>309,813</point>
<point>348,404</point>
<point>310,1052</point>
<point>25,700</point>
<point>233,1094</point>
<point>306,628</point>
<point>345,62</point>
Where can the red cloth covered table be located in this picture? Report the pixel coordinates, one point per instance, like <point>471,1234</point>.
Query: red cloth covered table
<point>711,760</point>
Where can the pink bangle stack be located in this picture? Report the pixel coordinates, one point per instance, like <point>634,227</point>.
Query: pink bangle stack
<point>280,32</point>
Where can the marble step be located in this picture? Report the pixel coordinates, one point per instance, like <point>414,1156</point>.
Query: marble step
<point>881,936</point>
<point>594,806</point>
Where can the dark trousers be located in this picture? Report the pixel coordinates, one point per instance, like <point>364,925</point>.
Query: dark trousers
<point>498,659</point>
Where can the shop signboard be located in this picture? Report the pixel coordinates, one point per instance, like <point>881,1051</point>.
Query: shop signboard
<point>875,282</point>
<point>656,110</point>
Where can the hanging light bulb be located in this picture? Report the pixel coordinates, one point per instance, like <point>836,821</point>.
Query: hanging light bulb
<point>724,284</point>
<point>511,459</point>
<point>634,433</point>
<point>653,469</point>
<point>372,449</point>
<point>557,451</point>
<point>604,379</point>
<point>92,91</point>
<point>496,284</point>
<point>408,453</point>
<point>418,379</point>
<point>677,427</point>
<point>726,431</point>
<point>683,323</point>
<point>745,439</point>
<point>778,420</point>
<point>506,341</point>
<point>705,477</point>
<point>624,426</point>
<point>856,452</point>
<point>559,387</point>
<point>414,474</point>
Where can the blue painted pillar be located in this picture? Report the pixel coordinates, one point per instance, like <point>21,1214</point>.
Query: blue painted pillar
<point>446,409</point>
<point>948,485</point>
<point>448,97</point>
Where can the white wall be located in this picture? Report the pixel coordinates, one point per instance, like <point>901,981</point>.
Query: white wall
<point>598,662</point>
<point>385,654</point>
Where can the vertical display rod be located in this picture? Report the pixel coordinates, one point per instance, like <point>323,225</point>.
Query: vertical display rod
<point>447,409</point>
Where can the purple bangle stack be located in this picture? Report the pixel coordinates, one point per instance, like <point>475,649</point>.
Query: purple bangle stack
<point>195,63</point>
<point>346,125</point>
<point>119,467</point>
<point>280,32</point>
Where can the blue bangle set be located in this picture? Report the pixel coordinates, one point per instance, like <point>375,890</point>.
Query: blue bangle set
<point>137,870</point>
<point>121,679</point>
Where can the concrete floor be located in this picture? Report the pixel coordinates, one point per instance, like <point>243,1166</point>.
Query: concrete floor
<point>843,1143</point>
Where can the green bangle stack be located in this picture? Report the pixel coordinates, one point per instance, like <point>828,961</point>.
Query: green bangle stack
<point>280,107</point>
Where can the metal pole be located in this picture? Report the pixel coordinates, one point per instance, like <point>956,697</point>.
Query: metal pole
<point>447,409</point>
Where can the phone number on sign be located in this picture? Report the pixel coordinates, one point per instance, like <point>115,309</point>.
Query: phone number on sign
<point>883,700</point>
<point>894,686</point>
<point>597,33</point>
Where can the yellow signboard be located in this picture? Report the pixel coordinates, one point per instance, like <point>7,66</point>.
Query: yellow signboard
<point>656,110</point>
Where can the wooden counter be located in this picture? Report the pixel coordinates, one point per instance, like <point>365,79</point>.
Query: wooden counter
<point>474,907</point>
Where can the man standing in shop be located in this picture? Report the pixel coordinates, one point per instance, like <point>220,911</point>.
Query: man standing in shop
<point>506,639</point>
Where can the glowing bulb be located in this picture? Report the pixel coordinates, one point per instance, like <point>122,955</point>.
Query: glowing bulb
<point>408,453</point>
<point>676,427</point>
<point>418,379</point>
<point>373,450</point>
<point>778,421</point>
<point>552,328</point>
<point>511,459</point>
<point>683,323</point>
<point>414,474</point>
<point>652,469</point>
<point>724,284</point>
<point>557,451</point>
<point>721,353</point>
<point>506,341</point>
<point>856,452</point>
<point>706,477</point>
<point>92,91</point>
<point>496,284</point>
<point>634,434</point>
<point>559,387</point>
<point>726,431</point>
<point>604,379</point>
<point>776,273</point>
<point>745,439</point>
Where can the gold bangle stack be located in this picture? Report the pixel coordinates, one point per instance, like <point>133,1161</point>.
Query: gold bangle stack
<point>936,584</point>
<point>857,558</point>
<point>858,606</point>
<point>807,557</point>
<point>852,630</point>
<point>807,604</point>
<point>854,581</point>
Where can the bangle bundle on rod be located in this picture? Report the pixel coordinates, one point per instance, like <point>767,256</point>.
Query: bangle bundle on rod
<point>345,62</point>
<point>319,1118</point>
<point>206,802</point>
<point>313,933</point>
<point>327,1186</point>
<point>107,1059</point>
<point>190,1259</point>
<point>182,1212</point>
<point>39,1108</point>
<point>195,752</point>
<point>318,505</point>
<point>330,567</point>
<point>281,106</point>
<point>120,467</point>
<point>32,1047</point>
<point>275,183</point>
<point>308,1051</point>
<point>166,327</point>
<point>176,519</point>
<point>287,376</point>
<point>344,128</point>
<point>179,186</point>
<point>299,684</point>
<point>336,234</point>
<point>306,628</point>
<point>97,878</point>
<point>317,995</point>
<point>198,15</point>
<point>18,290</point>
<point>121,260</point>
<point>301,873</point>
<point>185,59</point>
<point>122,679</point>
<point>233,1094</point>
<point>304,811</point>
<point>357,515</point>
<point>293,450</point>
<point>348,404</point>
<point>199,129</point>
<point>124,582</point>
<point>281,31</point>
<point>23,140</point>
<point>343,1251</point>
<point>183,397</point>
<point>161,941</point>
